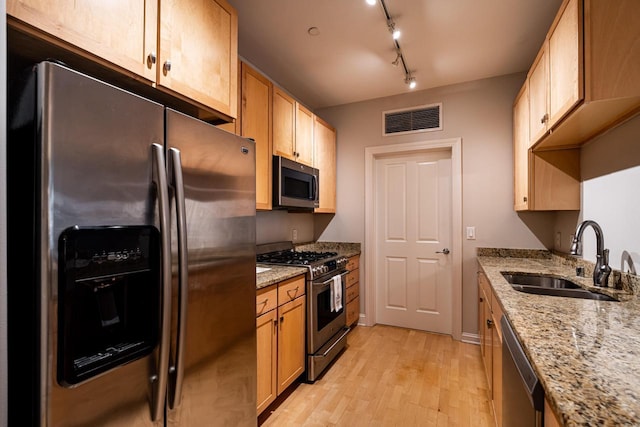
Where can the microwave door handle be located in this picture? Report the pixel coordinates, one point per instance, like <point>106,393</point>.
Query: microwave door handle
<point>315,187</point>
<point>159,379</point>
<point>175,170</point>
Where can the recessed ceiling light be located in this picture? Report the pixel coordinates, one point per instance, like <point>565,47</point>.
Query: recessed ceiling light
<point>313,31</point>
<point>371,2</point>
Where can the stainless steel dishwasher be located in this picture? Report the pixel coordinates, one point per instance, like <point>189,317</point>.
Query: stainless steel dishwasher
<point>522,393</point>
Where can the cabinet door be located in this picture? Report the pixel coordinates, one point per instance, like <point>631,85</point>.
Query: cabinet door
<point>521,149</point>
<point>122,32</point>
<point>304,135</point>
<point>267,346</point>
<point>324,142</point>
<point>565,63</point>
<point>256,124</point>
<point>538,88</point>
<point>291,342</point>
<point>199,52</point>
<point>496,357</point>
<point>284,124</point>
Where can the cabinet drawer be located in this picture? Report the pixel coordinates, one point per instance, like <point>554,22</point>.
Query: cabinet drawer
<point>290,289</point>
<point>352,292</point>
<point>353,311</point>
<point>266,299</point>
<point>353,263</point>
<point>352,278</point>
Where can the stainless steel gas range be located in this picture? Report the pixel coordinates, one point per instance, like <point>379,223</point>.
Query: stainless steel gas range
<point>325,287</point>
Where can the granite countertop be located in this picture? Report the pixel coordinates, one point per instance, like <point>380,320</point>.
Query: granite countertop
<point>277,273</point>
<point>585,352</point>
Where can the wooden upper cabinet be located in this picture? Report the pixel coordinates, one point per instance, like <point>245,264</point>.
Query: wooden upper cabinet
<point>538,90</point>
<point>284,124</point>
<point>592,84</point>
<point>521,149</point>
<point>199,53</point>
<point>324,137</point>
<point>304,135</point>
<point>292,128</point>
<point>122,32</point>
<point>255,123</point>
<point>565,59</point>
<point>197,57</point>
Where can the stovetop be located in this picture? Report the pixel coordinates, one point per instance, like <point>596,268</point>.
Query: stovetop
<point>318,263</point>
<point>294,257</point>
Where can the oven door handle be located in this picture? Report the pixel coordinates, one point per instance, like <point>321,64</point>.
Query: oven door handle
<point>326,282</point>
<point>344,334</point>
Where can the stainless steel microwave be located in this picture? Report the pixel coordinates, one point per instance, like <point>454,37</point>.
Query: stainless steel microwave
<point>294,185</point>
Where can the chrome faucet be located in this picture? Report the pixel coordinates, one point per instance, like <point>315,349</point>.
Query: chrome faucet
<point>602,270</point>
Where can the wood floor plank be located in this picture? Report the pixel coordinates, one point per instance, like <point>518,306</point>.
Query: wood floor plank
<point>391,376</point>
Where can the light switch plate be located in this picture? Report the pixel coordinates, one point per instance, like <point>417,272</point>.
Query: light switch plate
<point>471,233</point>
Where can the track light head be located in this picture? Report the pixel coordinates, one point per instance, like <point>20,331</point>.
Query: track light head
<point>395,33</point>
<point>411,81</point>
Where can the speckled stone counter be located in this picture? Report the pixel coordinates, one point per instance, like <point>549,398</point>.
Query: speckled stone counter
<point>585,352</point>
<point>344,249</point>
<point>276,274</point>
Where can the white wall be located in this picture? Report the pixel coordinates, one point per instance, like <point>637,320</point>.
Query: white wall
<point>610,169</point>
<point>278,226</point>
<point>480,113</point>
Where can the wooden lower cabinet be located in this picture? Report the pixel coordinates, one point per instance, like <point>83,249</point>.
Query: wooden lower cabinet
<point>280,335</point>
<point>353,290</point>
<point>267,344</point>
<point>291,335</point>
<point>550,417</point>
<point>489,314</point>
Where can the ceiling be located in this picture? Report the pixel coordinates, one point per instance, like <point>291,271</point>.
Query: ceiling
<point>443,41</point>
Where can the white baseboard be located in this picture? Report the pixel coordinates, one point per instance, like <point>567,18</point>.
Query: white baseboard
<point>470,338</point>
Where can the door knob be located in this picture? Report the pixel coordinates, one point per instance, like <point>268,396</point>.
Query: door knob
<point>444,251</point>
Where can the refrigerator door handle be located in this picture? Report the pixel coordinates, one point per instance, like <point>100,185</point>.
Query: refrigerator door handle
<point>159,380</point>
<point>175,176</point>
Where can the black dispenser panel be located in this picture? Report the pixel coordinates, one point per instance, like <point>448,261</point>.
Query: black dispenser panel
<point>108,299</point>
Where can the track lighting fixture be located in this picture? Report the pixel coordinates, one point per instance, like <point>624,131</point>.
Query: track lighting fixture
<point>400,59</point>
<point>395,33</point>
<point>410,80</point>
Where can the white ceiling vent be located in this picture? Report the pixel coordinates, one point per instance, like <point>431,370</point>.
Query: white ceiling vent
<point>416,119</point>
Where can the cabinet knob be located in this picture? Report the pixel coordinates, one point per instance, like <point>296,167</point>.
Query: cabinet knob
<point>544,119</point>
<point>524,199</point>
<point>167,66</point>
<point>489,323</point>
<point>151,59</point>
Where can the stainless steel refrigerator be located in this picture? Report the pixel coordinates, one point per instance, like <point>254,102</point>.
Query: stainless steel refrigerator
<point>131,248</point>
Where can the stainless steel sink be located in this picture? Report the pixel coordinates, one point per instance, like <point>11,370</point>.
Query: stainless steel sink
<point>540,284</point>
<point>542,281</point>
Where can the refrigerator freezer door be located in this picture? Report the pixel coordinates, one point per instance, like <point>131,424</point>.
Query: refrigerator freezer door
<point>96,170</point>
<point>219,376</point>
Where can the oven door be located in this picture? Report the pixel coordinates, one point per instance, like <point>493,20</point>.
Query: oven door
<point>322,322</point>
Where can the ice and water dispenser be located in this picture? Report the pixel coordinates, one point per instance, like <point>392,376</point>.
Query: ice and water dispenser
<point>108,298</point>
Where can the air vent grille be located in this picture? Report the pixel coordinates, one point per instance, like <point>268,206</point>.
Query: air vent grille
<point>420,119</point>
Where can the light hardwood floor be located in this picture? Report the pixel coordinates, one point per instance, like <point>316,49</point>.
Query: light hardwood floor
<point>391,376</point>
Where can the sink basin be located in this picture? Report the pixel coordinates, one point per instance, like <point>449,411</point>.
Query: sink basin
<point>261,270</point>
<point>541,281</point>
<point>551,285</point>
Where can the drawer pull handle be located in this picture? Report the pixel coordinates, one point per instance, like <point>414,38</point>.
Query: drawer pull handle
<point>264,302</point>
<point>295,292</point>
